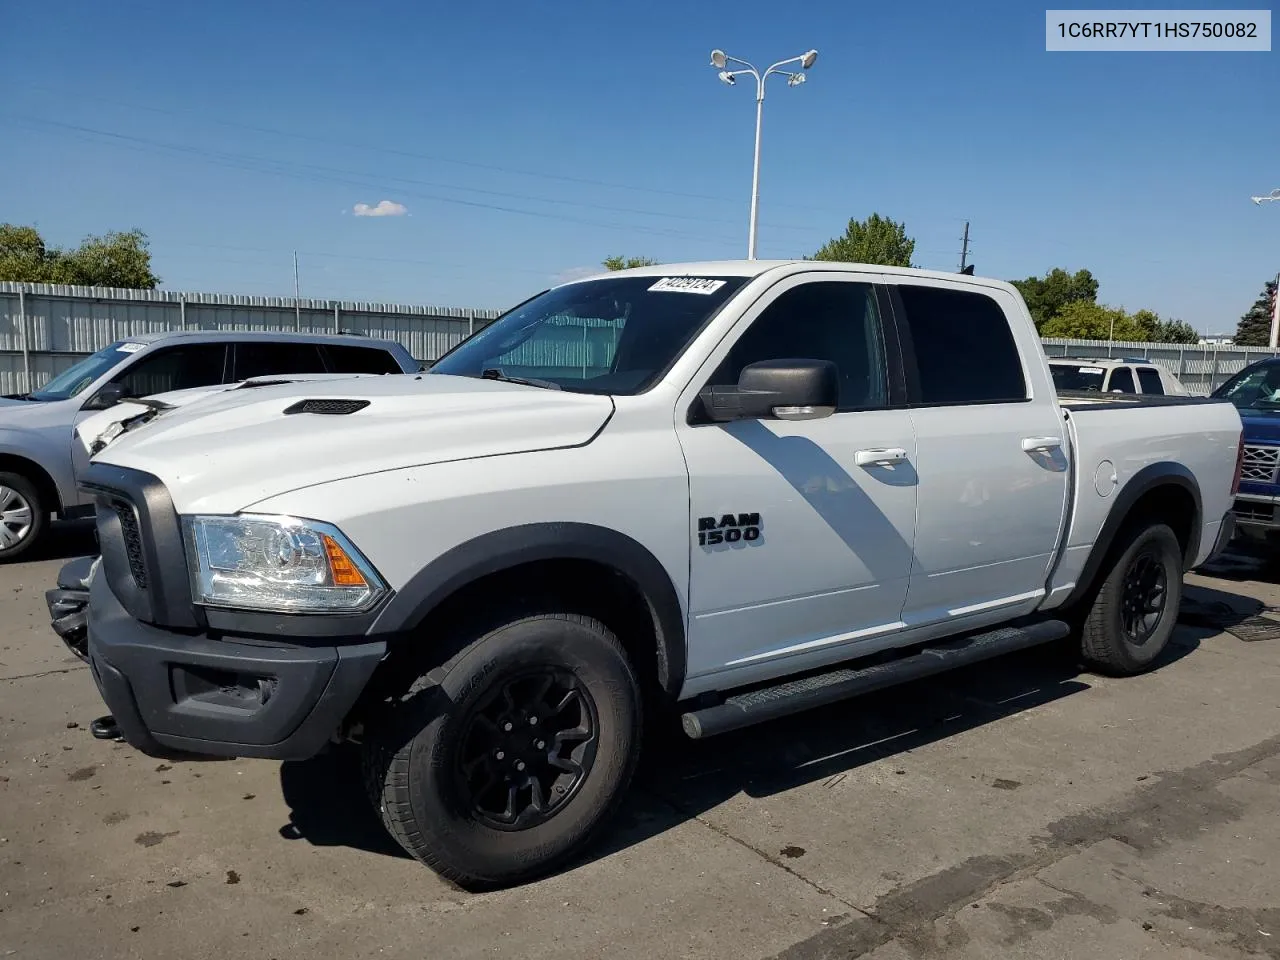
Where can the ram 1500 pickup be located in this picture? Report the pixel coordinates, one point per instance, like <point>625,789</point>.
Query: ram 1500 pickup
<point>717,492</point>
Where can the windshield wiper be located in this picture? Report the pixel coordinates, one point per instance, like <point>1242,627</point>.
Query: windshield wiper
<point>493,373</point>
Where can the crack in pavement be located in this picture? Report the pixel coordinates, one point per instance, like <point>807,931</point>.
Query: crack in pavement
<point>763,855</point>
<point>44,673</point>
<point>1178,805</point>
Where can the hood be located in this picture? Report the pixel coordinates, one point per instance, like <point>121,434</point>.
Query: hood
<point>10,402</point>
<point>235,448</point>
<point>1264,428</point>
<point>99,429</point>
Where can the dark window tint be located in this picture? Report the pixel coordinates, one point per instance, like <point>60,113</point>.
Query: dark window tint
<point>1122,380</point>
<point>1149,377</point>
<point>964,348</point>
<point>276,359</point>
<point>360,360</point>
<point>175,368</point>
<point>828,320</point>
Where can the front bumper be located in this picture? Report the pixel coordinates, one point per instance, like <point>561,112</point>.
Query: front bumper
<point>177,691</point>
<point>1256,514</point>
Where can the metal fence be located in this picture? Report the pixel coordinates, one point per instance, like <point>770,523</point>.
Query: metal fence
<point>44,329</point>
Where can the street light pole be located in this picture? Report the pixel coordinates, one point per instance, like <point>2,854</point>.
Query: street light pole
<point>1274,195</point>
<point>720,60</point>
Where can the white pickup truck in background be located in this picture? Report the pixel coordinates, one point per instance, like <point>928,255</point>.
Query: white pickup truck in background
<point>723,491</point>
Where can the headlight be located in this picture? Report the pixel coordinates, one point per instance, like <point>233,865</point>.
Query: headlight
<point>278,563</point>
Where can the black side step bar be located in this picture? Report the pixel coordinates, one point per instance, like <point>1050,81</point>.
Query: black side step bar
<point>792,696</point>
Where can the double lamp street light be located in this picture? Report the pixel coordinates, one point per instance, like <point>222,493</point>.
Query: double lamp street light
<point>721,61</point>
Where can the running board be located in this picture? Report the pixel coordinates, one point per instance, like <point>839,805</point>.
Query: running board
<point>793,696</point>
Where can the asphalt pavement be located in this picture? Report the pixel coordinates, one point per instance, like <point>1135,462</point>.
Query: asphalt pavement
<point>1019,808</point>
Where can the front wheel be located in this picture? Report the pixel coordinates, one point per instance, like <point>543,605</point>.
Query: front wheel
<point>1136,608</point>
<point>499,766</point>
<point>23,516</point>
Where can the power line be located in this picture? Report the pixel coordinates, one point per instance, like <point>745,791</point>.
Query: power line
<point>280,168</point>
<point>435,158</point>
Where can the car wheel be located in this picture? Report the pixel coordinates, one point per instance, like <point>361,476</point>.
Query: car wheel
<point>23,517</point>
<point>499,766</point>
<point>1136,608</point>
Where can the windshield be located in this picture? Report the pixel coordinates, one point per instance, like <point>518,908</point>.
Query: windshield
<point>1254,388</point>
<point>615,335</point>
<point>70,382</point>
<point>1071,376</point>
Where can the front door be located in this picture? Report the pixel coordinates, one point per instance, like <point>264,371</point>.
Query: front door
<point>801,530</point>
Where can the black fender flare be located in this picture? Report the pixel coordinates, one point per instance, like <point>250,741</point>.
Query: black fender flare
<point>1150,477</point>
<point>504,549</point>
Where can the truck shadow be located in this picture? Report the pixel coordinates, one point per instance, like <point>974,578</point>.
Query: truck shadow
<point>65,539</point>
<point>681,779</point>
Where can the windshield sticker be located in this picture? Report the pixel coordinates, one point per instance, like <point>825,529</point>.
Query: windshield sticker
<point>688,285</point>
<point>129,347</point>
<point>1090,370</point>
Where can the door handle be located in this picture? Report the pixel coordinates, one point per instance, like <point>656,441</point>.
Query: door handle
<point>880,456</point>
<point>1041,444</point>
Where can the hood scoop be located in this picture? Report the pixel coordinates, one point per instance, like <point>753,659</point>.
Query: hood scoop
<point>327,407</point>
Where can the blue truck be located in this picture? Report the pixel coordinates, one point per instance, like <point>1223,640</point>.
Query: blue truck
<point>1255,391</point>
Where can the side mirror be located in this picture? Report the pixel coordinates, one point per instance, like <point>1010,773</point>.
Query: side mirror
<point>108,396</point>
<point>776,389</point>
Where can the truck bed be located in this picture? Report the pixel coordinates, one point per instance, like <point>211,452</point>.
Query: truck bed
<point>1074,399</point>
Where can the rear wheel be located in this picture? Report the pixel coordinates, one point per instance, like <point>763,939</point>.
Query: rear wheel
<point>500,765</point>
<point>23,517</point>
<point>1136,608</point>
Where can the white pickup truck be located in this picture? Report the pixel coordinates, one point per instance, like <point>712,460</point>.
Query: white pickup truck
<point>722,492</point>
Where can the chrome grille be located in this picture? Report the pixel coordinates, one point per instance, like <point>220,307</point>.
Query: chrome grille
<point>1260,464</point>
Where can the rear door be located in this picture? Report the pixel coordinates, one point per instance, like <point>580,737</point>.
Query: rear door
<point>991,454</point>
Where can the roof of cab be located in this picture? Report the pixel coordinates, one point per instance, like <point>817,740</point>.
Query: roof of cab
<point>278,336</point>
<point>755,268</point>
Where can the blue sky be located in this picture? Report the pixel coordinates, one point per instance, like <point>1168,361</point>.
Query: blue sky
<point>528,141</point>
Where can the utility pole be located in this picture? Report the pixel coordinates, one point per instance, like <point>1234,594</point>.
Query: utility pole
<point>1275,315</point>
<point>964,249</point>
<point>297,294</point>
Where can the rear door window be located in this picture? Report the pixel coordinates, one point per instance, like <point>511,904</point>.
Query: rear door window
<point>360,360</point>
<point>266,359</point>
<point>1122,381</point>
<point>1149,378</point>
<point>964,350</point>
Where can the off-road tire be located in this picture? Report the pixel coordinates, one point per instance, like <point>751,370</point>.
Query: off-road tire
<point>39,515</point>
<point>411,750</point>
<point>1103,641</point>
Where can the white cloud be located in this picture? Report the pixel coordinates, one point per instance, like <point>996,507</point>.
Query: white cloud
<point>576,273</point>
<point>384,208</point>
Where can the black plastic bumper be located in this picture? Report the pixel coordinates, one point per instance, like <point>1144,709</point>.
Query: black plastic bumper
<point>68,605</point>
<point>177,692</point>
<point>1226,533</point>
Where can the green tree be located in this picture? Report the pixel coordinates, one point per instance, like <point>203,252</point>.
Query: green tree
<point>1046,296</point>
<point>113,260</point>
<point>1254,328</point>
<point>627,263</point>
<point>876,240</point>
<point>1087,320</point>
